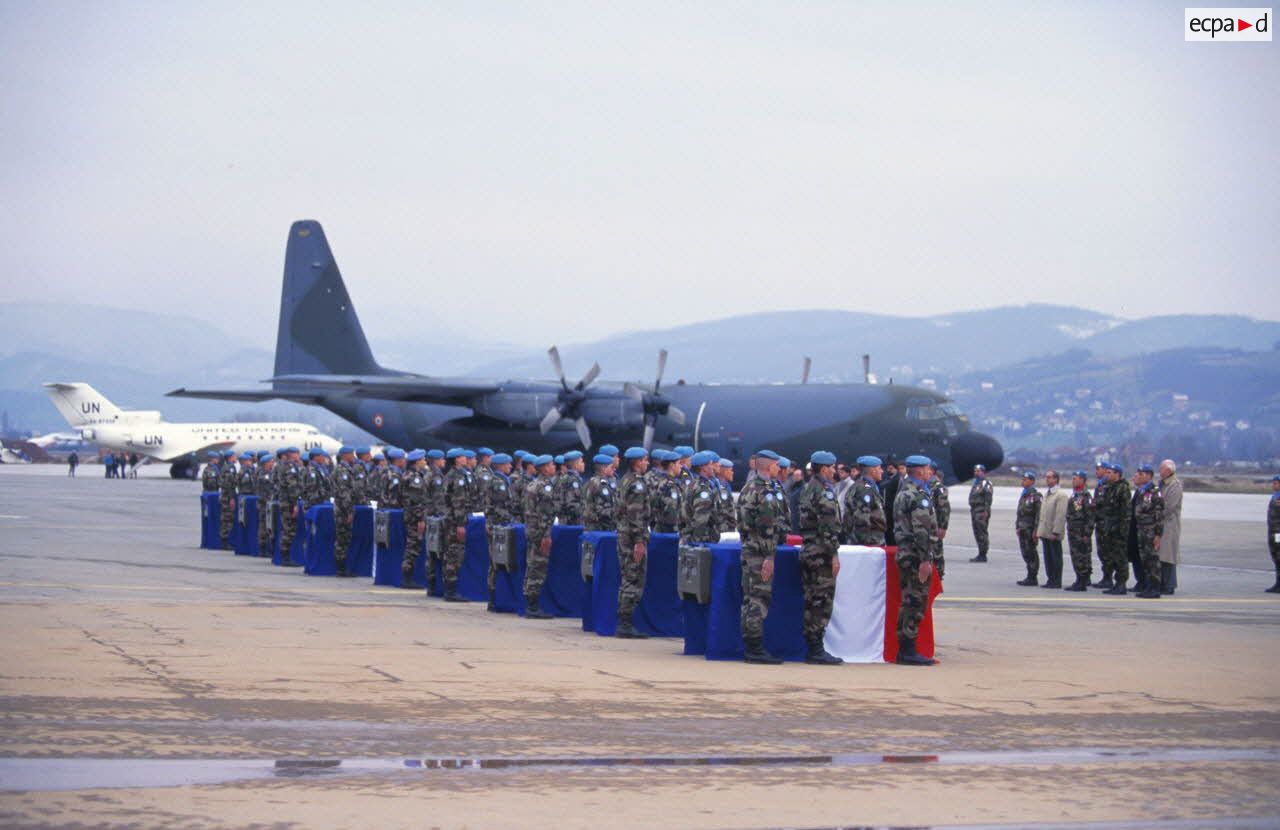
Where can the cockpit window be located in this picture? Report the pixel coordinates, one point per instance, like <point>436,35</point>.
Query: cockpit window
<point>936,414</point>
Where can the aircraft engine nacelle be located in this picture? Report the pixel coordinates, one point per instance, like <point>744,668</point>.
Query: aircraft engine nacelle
<point>517,408</point>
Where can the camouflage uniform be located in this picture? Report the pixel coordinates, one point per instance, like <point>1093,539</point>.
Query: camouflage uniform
<point>914,529</point>
<point>248,475</point>
<point>481,484</point>
<point>1115,530</point>
<point>820,526</point>
<point>1148,522</point>
<point>633,529</point>
<point>863,517</point>
<point>759,519</point>
<point>497,514</point>
<point>664,501</point>
<point>1099,501</point>
<point>228,483</point>
<point>539,515</point>
<point>784,515</point>
<point>1028,516</point>
<point>435,492</point>
<point>599,503</point>
<point>726,519</point>
<point>288,491</point>
<point>389,483</point>
<point>413,495</point>
<point>1080,524</point>
<point>316,488</point>
<point>980,497</point>
<point>516,482</point>
<point>568,491</point>
<point>345,491</point>
<point>209,477</point>
<point>701,506</point>
<point>459,498</point>
<point>1273,531</point>
<point>942,509</point>
<point>265,491</point>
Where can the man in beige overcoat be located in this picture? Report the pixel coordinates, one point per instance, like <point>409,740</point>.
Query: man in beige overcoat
<point>1170,553</point>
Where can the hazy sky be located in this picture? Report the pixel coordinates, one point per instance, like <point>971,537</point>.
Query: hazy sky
<point>585,168</point>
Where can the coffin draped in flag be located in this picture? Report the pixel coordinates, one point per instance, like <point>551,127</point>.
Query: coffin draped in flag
<point>863,627</point>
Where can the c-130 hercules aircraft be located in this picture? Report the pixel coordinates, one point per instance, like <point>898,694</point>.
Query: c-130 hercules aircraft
<point>323,358</point>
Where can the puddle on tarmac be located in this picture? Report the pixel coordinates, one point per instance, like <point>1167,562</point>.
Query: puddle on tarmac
<point>42,774</point>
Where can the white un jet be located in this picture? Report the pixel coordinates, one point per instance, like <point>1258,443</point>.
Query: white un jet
<point>99,420</point>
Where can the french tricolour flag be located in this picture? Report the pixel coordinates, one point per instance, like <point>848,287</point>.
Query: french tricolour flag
<point>864,621</point>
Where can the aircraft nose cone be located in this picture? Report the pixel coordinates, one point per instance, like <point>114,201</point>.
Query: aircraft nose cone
<point>975,448</point>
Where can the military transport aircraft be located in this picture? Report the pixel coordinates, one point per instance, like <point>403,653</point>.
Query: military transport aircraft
<point>322,358</point>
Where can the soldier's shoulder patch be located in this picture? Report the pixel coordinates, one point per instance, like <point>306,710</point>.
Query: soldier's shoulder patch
<point>547,488</point>
<point>704,495</point>
<point>830,496</point>
<point>867,498</point>
<point>639,488</point>
<point>924,502</point>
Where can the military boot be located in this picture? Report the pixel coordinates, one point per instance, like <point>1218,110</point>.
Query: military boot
<point>1116,590</point>
<point>451,594</point>
<point>1105,582</point>
<point>627,631</point>
<point>755,653</point>
<point>532,611</point>
<point>982,557</point>
<point>406,576</point>
<point>493,600</point>
<point>908,656</point>
<point>1029,582</point>
<point>819,656</point>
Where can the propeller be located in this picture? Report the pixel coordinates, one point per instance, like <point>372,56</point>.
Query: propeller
<point>569,405</point>
<point>654,403</point>
<point>808,364</point>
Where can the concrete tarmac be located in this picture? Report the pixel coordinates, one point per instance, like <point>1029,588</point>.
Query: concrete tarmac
<point>147,683</point>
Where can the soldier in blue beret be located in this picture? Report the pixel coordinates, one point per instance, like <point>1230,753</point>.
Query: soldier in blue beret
<point>1273,530</point>
<point>915,524</point>
<point>818,520</point>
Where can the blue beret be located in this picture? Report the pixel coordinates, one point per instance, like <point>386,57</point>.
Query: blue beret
<point>683,451</point>
<point>416,455</point>
<point>784,462</point>
<point>483,451</point>
<point>453,453</point>
<point>520,454</point>
<point>670,455</point>
<point>699,459</point>
<point>608,449</point>
<point>280,453</point>
<point>377,456</point>
<point>715,456</point>
<point>468,453</point>
<point>542,460</point>
<point>1145,468</point>
<point>213,454</point>
<point>362,450</point>
<point>435,453</point>
<point>1029,474</point>
<point>1081,473</point>
<point>1118,468</point>
<point>501,458</point>
<point>559,459</point>
<point>319,451</point>
<point>918,461</point>
<point>822,457</point>
<point>264,455</point>
<point>248,456</point>
<point>228,453</point>
<point>291,449</point>
<point>1275,478</point>
<point>769,454</point>
<point>573,455</point>
<point>980,467</point>
<point>344,449</point>
<point>633,453</point>
<point>602,458</point>
<point>724,462</point>
<point>869,461</point>
<point>394,453</point>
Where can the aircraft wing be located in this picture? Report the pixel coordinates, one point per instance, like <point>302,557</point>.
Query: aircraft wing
<point>173,453</point>
<point>247,395</point>
<point>410,388</point>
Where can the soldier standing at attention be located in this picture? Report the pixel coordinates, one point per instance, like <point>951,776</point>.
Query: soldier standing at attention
<point>389,496</point>
<point>263,488</point>
<point>819,560</point>
<point>413,495</point>
<point>612,451</point>
<point>633,540</point>
<point>209,475</point>
<point>497,513</point>
<point>680,470</point>
<point>316,487</point>
<point>1099,492</point>
<point>942,509</point>
<point>248,474</point>
<point>458,499</point>
<point>1115,514</point>
<point>726,517</point>
<point>599,499</point>
<point>980,497</point>
<point>345,493</point>
<point>701,503</point>
<point>915,529</point>
<point>288,492</point>
<point>481,479</point>
<point>1273,531</point>
<point>228,483</point>
<point>516,484</point>
<point>1080,521</point>
<point>569,489</point>
<point>759,515</point>
<point>863,516</point>
<point>889,487</point>
<point>664,493</point>
<point>1148,525</point>
<point>1028,516</point>
<point>539,515</point>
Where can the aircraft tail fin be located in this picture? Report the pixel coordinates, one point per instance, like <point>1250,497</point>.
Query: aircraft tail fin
<point>81,404</point>
<point>319,331</point>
